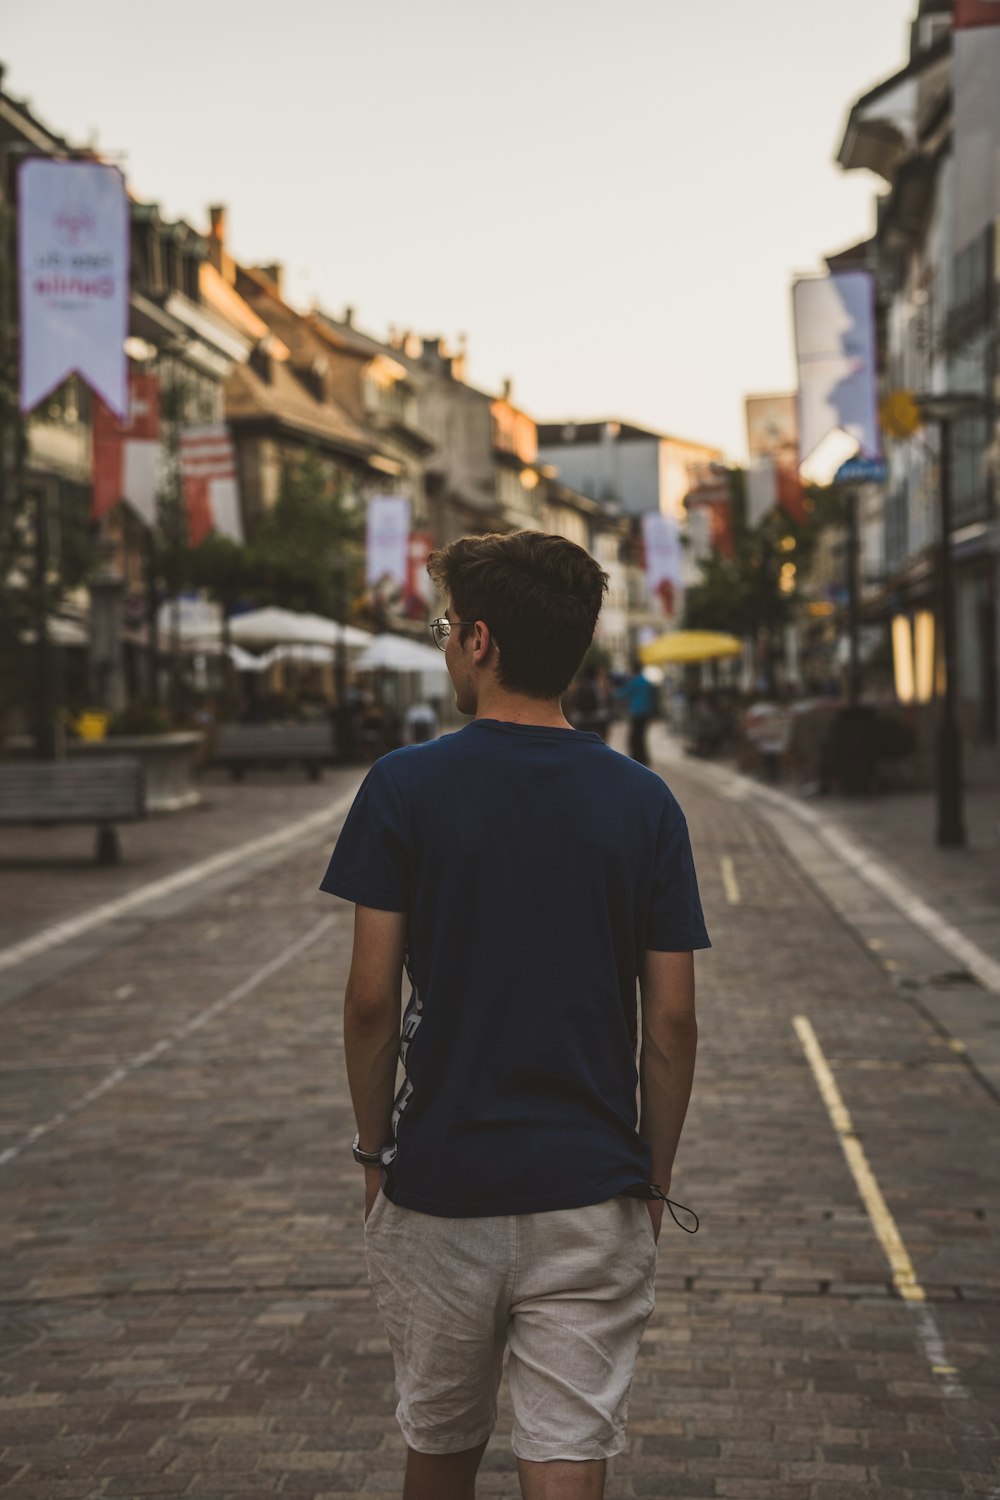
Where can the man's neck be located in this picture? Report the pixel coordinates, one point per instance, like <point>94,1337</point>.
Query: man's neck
<point>517,708</point>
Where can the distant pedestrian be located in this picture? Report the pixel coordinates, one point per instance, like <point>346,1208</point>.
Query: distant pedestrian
<point>640,698</point>
<point>525,876</point>
<point>590,708</point>
<point>421,723</point>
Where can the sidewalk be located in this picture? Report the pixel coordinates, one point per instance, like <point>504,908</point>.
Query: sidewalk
<point>930,917</point>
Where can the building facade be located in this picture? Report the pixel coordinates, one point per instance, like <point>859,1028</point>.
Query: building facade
<point>938,333</point>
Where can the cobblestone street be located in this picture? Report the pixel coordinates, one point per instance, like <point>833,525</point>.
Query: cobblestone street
<point>185,1306</point>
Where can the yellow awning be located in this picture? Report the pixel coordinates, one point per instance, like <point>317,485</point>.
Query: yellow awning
<point>684,646</point>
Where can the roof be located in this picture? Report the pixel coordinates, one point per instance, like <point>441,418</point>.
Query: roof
<point>284,400</point>
<point>883,125</point>
<point>570,432</point>
<point>18,114</point>
<point>226,301</point>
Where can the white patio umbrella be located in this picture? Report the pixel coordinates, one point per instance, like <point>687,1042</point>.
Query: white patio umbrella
<point>286,627</point>
<point>397,653</point>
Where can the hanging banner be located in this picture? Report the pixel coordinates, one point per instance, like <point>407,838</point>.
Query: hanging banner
<point>710,501</point>
<point>977,118</point>
<point>127,454</point>
<point>662,545</point>
<point>836,355</point>
<point>73,259</point>
<point>211,491</point>
<point>387,540</point>
<point>419,590</point>
<point>773,440</point>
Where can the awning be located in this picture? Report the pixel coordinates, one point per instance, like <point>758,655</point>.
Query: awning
<point>397,653</point>
<point>684,647</point>
<point>284,627</point>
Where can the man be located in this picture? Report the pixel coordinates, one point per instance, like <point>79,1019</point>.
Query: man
<point>640,701</point>
<point>525,875</point>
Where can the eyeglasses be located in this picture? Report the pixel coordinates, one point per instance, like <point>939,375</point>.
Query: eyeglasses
<point>441,630</point>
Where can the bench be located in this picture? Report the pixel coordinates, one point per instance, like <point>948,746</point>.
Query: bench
<point>240,745</point>
<point>102,792</point>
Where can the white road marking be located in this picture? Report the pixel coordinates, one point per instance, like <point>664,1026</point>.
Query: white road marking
<point>126,1069</point>
<point>73,927</point>
<point>729,881</point>
<point>903,1274</point>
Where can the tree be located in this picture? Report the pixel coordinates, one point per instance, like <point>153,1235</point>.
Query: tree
<point>306,553</point>
<point>754,591</point>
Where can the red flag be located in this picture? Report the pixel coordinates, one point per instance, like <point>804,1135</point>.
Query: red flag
<point>109,461</point>
<point>789,489</point>
<point>977,13</point>
<point>722,528</point>
<point>124,452</point>
<point>418,588</point>
<point>198,504</point>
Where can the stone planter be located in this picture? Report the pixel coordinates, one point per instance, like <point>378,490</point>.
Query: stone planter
<point>167,759</point>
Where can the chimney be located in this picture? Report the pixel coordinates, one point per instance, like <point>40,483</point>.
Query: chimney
<point>217,235</point>
<point>507,389</point>
<point>274,273</point>
<point>348,317</point>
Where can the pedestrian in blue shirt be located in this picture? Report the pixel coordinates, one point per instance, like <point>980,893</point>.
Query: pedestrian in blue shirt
<point>525,876</point>
<point>640,702</point>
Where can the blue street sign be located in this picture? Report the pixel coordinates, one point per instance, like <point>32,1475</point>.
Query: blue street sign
<point>862,471</point>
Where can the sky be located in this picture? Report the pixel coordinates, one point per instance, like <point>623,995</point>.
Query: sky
<point>608,200</point>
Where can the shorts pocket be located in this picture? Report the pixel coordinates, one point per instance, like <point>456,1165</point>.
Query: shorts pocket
<point>376,1213</point>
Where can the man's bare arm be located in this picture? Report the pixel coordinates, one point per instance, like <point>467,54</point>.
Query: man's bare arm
<point>666,1062</point>
<point>372,1004</point>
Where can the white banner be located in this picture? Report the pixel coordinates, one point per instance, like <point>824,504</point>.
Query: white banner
<point>835,351</point>
<point>73,254</point>
<point>388,539</point>
<point>762,488</point>
<point>141,476</point>
<point>664,562</point>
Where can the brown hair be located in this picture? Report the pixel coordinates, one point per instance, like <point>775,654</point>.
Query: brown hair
<point>540,595</point>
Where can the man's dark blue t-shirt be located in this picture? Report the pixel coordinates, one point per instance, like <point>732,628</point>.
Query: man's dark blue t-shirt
<point>536,866</point>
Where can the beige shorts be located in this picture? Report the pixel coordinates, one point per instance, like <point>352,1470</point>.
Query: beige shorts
<point>567,1296</point>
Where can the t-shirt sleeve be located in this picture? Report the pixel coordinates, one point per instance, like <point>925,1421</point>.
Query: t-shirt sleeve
<point>676,923</point>
<point>371,864</point>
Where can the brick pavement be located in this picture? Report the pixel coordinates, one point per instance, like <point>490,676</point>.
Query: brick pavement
<point>184,1303</point>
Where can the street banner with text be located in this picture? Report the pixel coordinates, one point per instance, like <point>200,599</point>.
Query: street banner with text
<point>977,118</point>
<point>835,352</point>
<point>387,540</point>
<point>73,258</point>
<point>211,493</point>
<point>662,546</point>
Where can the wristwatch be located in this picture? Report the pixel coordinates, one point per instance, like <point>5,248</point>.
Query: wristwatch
<point>365,1158</point>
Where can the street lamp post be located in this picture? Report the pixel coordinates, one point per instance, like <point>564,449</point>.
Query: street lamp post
<point>853,607</point>
<point>944,409</point>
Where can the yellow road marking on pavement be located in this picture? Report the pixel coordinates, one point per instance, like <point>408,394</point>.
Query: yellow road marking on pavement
<point>729,881</point>
<point>903,1275</point>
